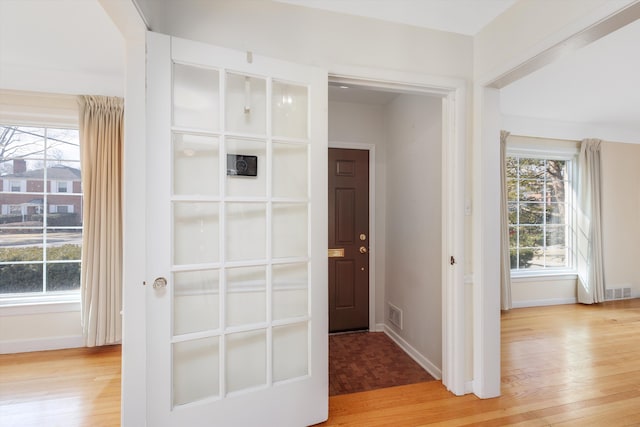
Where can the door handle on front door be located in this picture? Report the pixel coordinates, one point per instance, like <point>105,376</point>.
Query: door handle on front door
<point>363,250</point>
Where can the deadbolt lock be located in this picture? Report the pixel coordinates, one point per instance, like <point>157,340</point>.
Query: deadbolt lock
<point>363,237</point>
<point>363,250</point>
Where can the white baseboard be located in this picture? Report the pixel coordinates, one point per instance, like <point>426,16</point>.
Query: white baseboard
<point>40,344</point>
<point>414,354</point>
<point>544,302</point>
<point>468,387</point>
<point>379,327</point>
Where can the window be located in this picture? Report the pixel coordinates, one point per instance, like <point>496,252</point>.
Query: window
<point>540,213</point>
<point>62,186</point>
<point>16,186</point>
<point>41,248</point>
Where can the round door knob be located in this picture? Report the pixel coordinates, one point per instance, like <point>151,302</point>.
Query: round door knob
<point>159,283</point>
<point>363,250</point>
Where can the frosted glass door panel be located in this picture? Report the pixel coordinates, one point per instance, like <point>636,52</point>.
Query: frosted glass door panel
<point>195,165</point>
<point>246,225</point>
<point>290,351</point>
<point>246,104</point>
<point>290,290</point>
<point>248,186</point>
<point>246,360</point>
<point>195,233</point>
<point>246,295</point>
<point>289,109</point>
<point>196,97</point>
<point>195,301</point>
<point>290,232</point>
<point>195,370</point>
<point>290,170</point>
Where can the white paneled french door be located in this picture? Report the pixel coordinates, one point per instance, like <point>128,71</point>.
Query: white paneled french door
<point>236,246</point>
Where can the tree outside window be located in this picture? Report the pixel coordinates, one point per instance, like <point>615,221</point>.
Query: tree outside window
<point>538,204</point>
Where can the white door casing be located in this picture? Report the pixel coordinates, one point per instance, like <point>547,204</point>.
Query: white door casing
<point>238,335</point>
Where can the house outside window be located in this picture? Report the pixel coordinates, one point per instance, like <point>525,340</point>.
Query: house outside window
<point>41,224</point>
<point>540,204</point>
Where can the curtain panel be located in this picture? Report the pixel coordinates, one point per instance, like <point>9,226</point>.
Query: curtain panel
<point>505,258</point>
<point>101,146</point>
<point>591,287</point>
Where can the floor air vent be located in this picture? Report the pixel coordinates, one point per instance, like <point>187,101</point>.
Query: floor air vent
<point>617,293</point>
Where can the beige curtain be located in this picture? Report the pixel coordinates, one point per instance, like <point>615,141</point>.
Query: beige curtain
<point>101,145</point>
<point>591,287</point>
<point>505,259</point>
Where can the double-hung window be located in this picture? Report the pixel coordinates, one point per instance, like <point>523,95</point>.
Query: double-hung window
<point>541,212</point>
<point>40,211</point>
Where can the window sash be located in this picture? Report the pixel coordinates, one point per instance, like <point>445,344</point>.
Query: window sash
<point>543,216</point>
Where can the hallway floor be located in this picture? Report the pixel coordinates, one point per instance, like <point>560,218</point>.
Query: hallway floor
<point>363,361</point>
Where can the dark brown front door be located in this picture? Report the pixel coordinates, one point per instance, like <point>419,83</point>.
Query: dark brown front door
<point>348,239</point>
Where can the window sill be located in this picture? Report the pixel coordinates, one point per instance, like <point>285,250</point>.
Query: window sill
<point>544,276</point>
<point>18,306</point>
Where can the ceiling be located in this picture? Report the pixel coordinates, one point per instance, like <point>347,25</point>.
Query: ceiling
<point>60,35</point>
<point>457,16</point>
<point>596,84</point>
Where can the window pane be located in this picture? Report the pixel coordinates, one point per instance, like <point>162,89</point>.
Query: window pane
<point>513,237</point>
<point>532,168</point>
<point>531,236</point>
<point>513,213</point>
<point>21,244</point>
<point>20,278</point>
<point>63,276</point>
<point>63,146</point>
<point>21,142</point>
<point>533,258</point>
<point>514,258</point>
<point>556,236</point>
<point>556,170</point>
<point>556,213</point>
<point>531,213</point>
<point>512,189</point>
<point>64,244</point>
<point>512,167</point>
<point>532,190</point>
<point>556,257</point>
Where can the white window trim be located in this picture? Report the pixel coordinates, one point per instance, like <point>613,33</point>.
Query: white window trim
<point>23,108</point>
<point>542,148</point>
<point>24,305</point>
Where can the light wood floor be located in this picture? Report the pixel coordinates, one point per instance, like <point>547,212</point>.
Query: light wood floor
<point>569,365</point>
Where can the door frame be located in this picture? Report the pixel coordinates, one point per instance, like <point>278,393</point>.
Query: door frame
<point>453,93</point>
<point>371,148</point>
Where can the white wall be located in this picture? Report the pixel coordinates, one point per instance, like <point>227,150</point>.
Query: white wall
<point>315,37</point>
<point>29,64</point>
<point>413,226</point>
<point>364,123</point>
<point>620,212</point>
<point>621,215</point>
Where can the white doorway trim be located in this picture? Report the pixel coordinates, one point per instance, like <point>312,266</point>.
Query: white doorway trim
<point>371,148</point>
<point>454,102</point>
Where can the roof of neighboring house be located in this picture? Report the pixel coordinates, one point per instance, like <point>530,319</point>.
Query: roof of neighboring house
<point>58,172</point>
